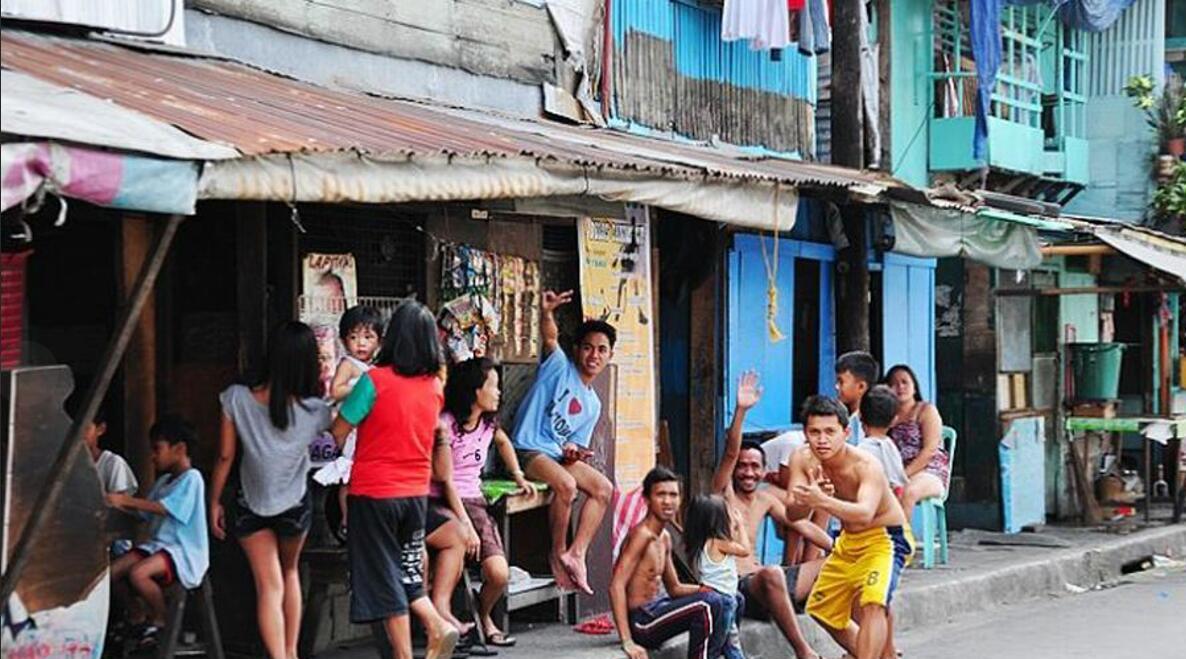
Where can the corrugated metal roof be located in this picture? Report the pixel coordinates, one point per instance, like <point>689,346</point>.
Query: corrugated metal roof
<point>261,113</point>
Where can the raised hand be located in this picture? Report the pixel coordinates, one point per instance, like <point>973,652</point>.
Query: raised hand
<point>551,299</point>
<point>749,392</point>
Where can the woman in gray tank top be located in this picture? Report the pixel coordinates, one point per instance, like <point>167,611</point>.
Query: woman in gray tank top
<point>272,422</point>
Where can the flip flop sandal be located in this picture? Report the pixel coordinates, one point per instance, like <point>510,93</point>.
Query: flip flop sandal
<point>149,638</point>
<point>501,640</point>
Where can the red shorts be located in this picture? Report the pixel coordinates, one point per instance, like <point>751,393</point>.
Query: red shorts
<point>170,575</point>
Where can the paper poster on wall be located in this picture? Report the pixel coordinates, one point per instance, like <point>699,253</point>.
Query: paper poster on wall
<point>616,287</point>
<point>329,286</point>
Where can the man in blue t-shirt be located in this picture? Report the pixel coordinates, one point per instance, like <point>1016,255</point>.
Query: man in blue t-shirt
<point>553,429</point>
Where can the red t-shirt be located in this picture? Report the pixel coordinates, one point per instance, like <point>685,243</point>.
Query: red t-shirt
<point>396,418</point>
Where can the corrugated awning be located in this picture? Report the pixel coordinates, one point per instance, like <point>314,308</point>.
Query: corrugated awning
<point>1164,252</point>
<point>304,142</point>
<point>36,108</point>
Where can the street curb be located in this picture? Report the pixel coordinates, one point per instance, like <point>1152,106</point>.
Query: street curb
<point>929,604</point>
<point>1084,567</point>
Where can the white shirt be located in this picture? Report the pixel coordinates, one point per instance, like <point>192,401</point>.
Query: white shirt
<point>115,475</point>
<point>780,448</point>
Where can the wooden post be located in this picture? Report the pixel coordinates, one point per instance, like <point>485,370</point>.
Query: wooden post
<point>704,369</point>
<point>251,282</point>
<point>847,148</point>
<point>852,287</point>
<point>139,368</point>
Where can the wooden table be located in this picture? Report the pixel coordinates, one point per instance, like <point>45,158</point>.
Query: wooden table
<point>1159,429</point>
<point>541,588</point>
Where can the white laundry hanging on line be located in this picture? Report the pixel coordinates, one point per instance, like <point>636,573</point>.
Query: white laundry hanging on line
<point>764,23</point>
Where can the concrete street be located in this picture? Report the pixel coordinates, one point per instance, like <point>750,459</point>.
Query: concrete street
<point>1141,617</point>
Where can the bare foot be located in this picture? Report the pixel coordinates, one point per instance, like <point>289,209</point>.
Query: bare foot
<point>440,646</point>
<point>576,568</point>
<point>560,573</point>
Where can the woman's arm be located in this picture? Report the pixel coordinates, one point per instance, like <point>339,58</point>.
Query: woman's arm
<point>931,426</point>
<point>228,445</point>
<point>506,452</point>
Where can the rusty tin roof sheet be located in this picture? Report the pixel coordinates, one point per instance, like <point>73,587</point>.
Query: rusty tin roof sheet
<point>259,113</point>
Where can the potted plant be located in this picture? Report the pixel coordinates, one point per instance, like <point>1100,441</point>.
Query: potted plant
<point>1169,201</point>
<point>1166,114</point>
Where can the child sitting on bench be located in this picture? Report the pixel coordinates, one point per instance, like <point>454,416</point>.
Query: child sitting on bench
<point>178,550</point>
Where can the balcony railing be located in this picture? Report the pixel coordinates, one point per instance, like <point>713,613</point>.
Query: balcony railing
<point>1036,120</point>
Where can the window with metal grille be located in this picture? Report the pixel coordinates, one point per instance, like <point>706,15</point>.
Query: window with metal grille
<point>387,245</point>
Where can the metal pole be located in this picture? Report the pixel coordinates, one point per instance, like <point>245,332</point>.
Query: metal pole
<point>50,492</point>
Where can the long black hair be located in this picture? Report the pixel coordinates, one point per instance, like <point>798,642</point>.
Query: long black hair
<point>913,378</point>
<point>411,345</point>
<point>292,372</point>
<point>461,389</point>
<point>707,518</point>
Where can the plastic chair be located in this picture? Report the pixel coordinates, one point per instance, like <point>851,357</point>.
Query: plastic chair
<point>930,515</point>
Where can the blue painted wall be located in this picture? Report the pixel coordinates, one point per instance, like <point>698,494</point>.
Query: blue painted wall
<point>910,34</point>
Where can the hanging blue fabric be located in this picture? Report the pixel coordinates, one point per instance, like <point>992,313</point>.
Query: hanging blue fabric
<point>986,50</point>
<point>1092,15</point>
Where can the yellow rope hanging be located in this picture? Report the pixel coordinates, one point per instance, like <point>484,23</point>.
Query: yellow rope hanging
<point>773,333</point>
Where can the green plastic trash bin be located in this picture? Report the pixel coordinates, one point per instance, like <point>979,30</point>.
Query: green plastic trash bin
<point>1096,369</point>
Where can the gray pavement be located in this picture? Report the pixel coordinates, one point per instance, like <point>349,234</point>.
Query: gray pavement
<point>1140,617</point>
<point>982,579</point>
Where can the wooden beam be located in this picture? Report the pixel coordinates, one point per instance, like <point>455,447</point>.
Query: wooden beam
<point>1078,250</point>
<point>705,369</point>
<point>139,364</point>
<point>251,283</point>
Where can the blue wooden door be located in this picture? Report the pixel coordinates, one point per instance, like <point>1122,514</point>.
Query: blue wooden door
<point>748,342</point>
<point>908,317</point>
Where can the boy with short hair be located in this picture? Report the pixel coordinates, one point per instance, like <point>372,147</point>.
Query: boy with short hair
<point>875,543</point>
<point>178,549</point>
<point>649,603</point>
<point>114,473</point>
<point>878,408</point>
<point>553,430</point>
<point>856,373</point>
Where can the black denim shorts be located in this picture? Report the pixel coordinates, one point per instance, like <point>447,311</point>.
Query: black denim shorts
<point>291,523</point>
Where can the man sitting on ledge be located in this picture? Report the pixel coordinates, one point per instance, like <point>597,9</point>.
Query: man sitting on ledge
<point>553,429</point>
<point>644,617</point>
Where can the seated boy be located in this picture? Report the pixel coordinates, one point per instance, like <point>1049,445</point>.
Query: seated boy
<point>114,473</point>
<point>178,549</point>
<point>553,429</point>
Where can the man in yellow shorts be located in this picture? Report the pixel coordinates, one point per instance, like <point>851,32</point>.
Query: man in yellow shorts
<point>867,559</point>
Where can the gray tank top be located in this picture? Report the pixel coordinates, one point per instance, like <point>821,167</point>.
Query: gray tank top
<point>275,465</point>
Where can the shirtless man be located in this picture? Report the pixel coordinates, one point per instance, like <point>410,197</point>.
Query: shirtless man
<point>875,543</point>
<point>768,590</point>
<point>644,618</point>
